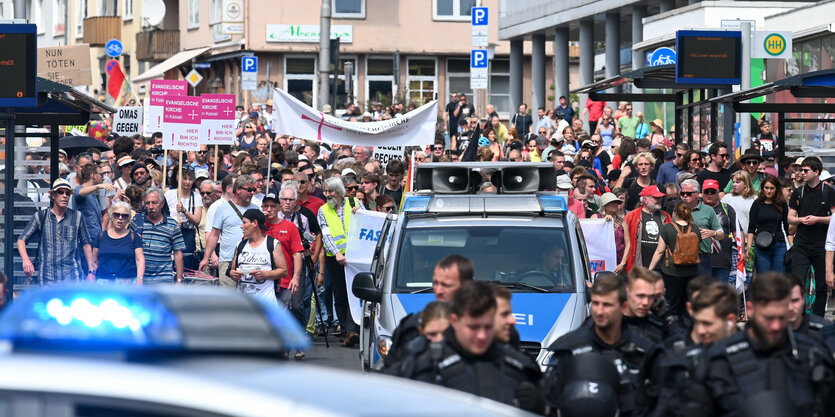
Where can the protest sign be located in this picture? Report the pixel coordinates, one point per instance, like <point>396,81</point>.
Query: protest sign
<point>217,126</point>
<point>181,123</point>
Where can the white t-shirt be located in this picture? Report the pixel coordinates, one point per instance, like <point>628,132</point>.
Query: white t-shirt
<point>742,207</point>
<point>256,259</point>
<point>190,204</point>
<point>210,213</point>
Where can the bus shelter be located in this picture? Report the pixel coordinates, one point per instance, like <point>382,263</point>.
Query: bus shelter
<point>802,107</point>
<point>698,120</point>
<point>29,162</point>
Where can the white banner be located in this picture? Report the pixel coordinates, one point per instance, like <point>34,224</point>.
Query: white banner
<point>365,230</point>
<point>292,117</point>
<point>127,121</point>
<point>601,247</point>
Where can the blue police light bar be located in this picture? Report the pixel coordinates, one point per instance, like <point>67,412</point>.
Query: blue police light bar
<point>553,203</point>
<point>110,317</point>
<point>417,204</point>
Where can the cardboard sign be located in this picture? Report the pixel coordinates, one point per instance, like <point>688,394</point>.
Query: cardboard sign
<point>160,90</point>
<point>386,154</point>
<point>68,65</point>
<point>128,121</point>
<point>181,123</point>
<point>217,126</point>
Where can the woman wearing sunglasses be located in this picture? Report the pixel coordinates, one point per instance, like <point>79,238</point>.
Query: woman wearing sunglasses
<point>188,211</point>
<point>118,251</point>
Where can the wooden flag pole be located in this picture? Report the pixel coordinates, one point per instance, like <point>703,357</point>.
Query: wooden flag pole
<point>164,167</point>
<point>217,162</point>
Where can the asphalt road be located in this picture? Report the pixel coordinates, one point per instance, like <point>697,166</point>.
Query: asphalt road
<point>335,356</point>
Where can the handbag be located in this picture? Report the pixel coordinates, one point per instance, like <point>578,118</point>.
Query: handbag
<point>764,238</point>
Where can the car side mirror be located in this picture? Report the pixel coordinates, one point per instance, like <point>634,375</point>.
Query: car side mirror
<point>365,289</point>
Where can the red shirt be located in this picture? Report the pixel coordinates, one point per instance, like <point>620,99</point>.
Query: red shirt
<point>313,203</point>
<point>595,109</point>
<point>287,235</point>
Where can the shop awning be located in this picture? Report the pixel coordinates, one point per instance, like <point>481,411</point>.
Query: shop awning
<point>159,70</point>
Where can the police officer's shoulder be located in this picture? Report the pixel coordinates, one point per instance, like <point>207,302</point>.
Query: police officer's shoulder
<point>729,346</point>
<point>817,323</point>
<point>812,346</point>
<point>576,342</point>
<point>520,361</point>
<point>640,344</point>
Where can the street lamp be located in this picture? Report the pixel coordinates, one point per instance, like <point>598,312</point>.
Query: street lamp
<point>348,68</point>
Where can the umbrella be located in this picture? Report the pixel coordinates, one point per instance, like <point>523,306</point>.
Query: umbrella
<point>78,144</point>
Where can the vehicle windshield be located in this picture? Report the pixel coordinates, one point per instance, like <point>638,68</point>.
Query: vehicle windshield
<point>522,259</point>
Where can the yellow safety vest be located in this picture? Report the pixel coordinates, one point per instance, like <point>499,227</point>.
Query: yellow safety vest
<point>338,231</point>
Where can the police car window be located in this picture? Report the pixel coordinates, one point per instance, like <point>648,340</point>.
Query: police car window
<point>524,259</point>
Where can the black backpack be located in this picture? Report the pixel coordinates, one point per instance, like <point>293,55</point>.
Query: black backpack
<point>270,248</point>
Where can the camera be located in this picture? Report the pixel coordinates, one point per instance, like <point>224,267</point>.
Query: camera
<point>156,150</point>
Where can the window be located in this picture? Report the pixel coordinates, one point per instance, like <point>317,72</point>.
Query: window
<point>458,76</point>
<point>452,9</point>
<point>348,9</point>
<point>341,88</point>
<point>193,14</point>
<point>215,11</point>
<point>59,12</point>
<point>36,15</point>
<point>499,87</point>
<point>127,10</point>
<point>379,80</point>
<point>300,79</point>
<point>80,15</point>
<point>108,8</point>
<point>420,81</point>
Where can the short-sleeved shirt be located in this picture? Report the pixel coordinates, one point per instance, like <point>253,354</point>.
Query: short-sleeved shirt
<point>312,203</point>
<point>723,177</point>
<point>229,224</point>
<point>288,236</point>
<point>755,182</point>
<point>650,230</point>
<point>117,257</point>
<point>595,109</point>
<point>628,125</point>
<point>60,243</point>
<point>90,208</point>
<point>705,218</point>
<point>808,201</point>
<point>159,241</point>
<point>190,203</point>
<point>669,233</point>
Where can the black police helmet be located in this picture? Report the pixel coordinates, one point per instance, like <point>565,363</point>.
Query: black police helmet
<point>768,404</point>
<point>592,387</point>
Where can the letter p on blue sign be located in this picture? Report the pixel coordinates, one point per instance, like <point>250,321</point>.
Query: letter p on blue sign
<point>479,16</point>
<point>478,58</point>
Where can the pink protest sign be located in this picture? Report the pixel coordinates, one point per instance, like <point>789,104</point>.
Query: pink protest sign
<point>181,123</point>
<point>218,122</point>
<point>160,89</point>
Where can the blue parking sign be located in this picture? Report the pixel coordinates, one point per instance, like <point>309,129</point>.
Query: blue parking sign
<point>478,58</point>
<point>249,64</point>
<point>479,16</point>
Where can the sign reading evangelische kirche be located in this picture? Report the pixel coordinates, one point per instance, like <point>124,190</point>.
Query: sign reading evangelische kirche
<point>307,33</point>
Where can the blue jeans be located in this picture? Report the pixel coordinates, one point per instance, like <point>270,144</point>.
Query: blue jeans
<point>325,294</point>
<point>721,274</point>
<point>771,259</point>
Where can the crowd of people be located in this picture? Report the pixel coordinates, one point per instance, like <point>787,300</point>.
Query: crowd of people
<point>269,217</point>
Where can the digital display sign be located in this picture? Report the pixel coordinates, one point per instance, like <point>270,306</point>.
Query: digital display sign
<point>18,65</point>
<point>708,57</point>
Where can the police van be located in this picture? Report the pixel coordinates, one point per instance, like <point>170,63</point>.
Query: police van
<point>520,236</point>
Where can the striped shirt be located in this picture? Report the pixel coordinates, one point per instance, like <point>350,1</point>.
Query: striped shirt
<point>61,243</point>
<point>159,241</point>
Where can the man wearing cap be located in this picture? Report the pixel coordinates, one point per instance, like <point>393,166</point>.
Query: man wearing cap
<point>291,245</point>
<point>226,226</point>
<point>254,268</point>
<point>125,163</point>
<point>749,161</point>
<point>645,223</point>
<point>62,231</point>
<point>765,137</point>
<point>705,219</point>
<point>668,172</point>
<point>716,170</point>
<point>724,250</point>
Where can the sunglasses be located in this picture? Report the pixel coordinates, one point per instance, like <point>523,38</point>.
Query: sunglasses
<point>695,160</point>
<point>710,191</point>
<point>388,208</point>
<point>201,152</point>
<point>438,148</point>
<point>687,193</point>
<point>64,192</point>
<point>679,155</point>
<point>752,163</point>
<point>805,170</point>
<point>722,155</point>
<point>123,216</point>
<point>352,188</point>
<point>302,181</point>
<point>251,190</point>
<point>206,192</point>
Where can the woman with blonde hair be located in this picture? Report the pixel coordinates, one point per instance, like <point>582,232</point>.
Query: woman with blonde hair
<point>117,250</point>
<point>742,196</point>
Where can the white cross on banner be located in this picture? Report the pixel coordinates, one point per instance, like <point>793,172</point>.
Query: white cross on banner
<point>218,123</point>
<point>415,128</point>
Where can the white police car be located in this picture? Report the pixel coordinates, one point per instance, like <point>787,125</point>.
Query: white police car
<point>523,238</point>
<point>184,351</point>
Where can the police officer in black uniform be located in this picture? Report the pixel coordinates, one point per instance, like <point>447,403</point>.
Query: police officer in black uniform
<point>800,322</point>
<point>469,359</point>
<point>769,356</point>
<point>640,296</point>
<point>607,335</point>
<point>670,365</point>
<point>449,274</point>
